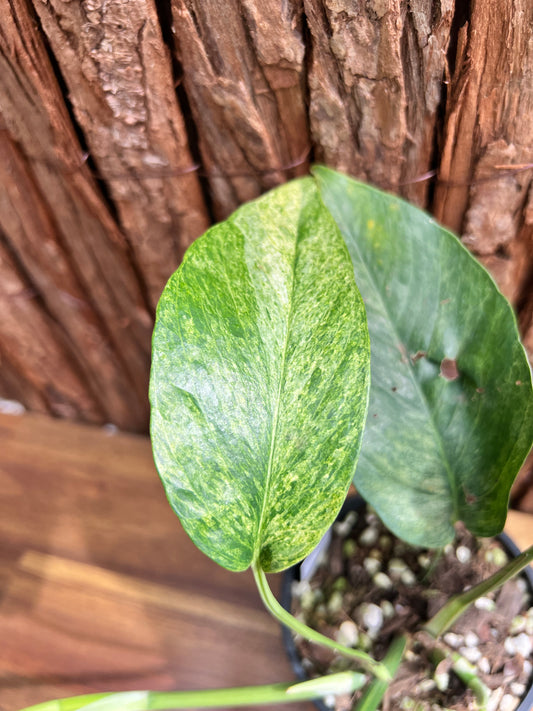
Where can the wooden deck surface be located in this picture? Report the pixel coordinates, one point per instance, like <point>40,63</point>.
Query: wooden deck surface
<point>100,588</point>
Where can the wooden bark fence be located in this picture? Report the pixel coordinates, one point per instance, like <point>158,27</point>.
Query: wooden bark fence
<point>127,126</point>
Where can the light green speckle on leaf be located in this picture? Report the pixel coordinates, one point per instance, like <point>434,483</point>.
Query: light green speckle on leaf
<point>259,381</point>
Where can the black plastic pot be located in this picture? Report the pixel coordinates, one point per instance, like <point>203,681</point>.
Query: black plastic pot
<point>293,574</point>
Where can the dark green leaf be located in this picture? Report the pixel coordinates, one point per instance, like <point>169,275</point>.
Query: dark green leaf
<point>259,381</point>
<point>450,418</point>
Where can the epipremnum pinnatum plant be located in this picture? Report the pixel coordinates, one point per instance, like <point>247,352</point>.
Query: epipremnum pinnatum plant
<point>451,405</point>
<point>260,377</point>
<point>265,391</point>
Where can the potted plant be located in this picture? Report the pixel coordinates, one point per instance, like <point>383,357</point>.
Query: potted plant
<point>263,398</point>
<point>362,585</point>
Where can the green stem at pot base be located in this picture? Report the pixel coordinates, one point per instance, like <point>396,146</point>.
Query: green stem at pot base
<point>455,607</point>
<point>342,683</point>
<point>376,668</point>
<point>466,672</point>
<point>373,695</point>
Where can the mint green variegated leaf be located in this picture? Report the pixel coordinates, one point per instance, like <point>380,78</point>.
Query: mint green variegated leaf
<point>450,417</point>
<point>259,381</point>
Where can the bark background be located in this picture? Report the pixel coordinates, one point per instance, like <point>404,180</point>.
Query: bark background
<point>128,126</point>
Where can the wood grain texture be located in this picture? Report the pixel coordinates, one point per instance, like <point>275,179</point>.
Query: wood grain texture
<point>243,70</point>
<point>100,588</point>
<point>26,352</point>
<point>375,83</point>
<point>113,387</point>
<point>489,129</point>
<point>65,241</point>
<point>119,78</point>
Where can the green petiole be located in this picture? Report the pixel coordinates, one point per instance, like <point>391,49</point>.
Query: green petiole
<point>376,668</point>
<point>467,673</point>
<point>377,688</point>
<point>455,607</point>
<point>342,683</point>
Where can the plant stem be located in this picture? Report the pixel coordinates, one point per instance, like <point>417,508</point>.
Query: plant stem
<point>342,683</point>
<point>433,565</point>
<point>455,607</point>
<point>466,672</point>
<point>273,606</point>
<point>377,688</point>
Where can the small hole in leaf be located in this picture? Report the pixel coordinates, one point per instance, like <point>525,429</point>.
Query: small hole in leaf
<point>448,369</point>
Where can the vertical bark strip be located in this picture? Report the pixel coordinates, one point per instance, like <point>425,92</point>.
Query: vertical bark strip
<point>375,84</point>
<point>118,73</point>
<point>31,353</point>
<point>55,221</point>
<point>488,130</point>
<point>243,74</point>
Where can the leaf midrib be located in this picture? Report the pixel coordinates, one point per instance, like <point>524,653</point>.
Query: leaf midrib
<point>276,417</point>
<point>422,397</point>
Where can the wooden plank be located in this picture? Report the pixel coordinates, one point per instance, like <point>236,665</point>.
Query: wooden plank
<point>87,625</point>
<point>100,588</point>
<point>519,527</point>
<point>85,494</point>
<point>132,590</point>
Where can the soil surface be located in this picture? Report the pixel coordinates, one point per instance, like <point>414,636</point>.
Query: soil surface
<point>371,586</point>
